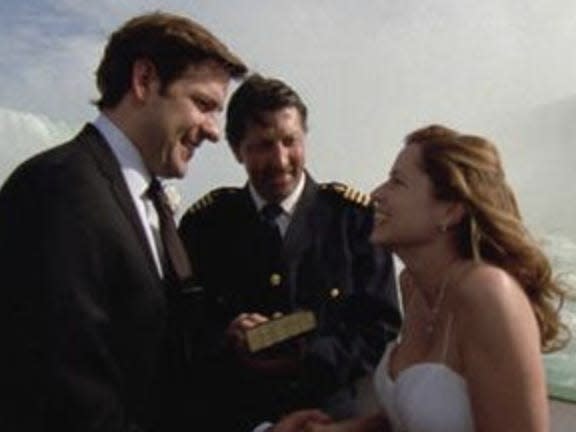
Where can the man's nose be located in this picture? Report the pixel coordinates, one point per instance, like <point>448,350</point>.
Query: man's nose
<point>280,154</point>
<point>211,127</point>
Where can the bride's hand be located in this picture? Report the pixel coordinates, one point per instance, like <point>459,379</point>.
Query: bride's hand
<point>332,427</point>
<point>371,423</point>
<point>299,421</point>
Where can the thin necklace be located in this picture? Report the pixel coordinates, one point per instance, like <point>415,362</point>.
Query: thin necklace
<point>434,309</point>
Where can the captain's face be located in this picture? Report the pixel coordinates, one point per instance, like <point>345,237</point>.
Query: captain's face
<point>272,152</point>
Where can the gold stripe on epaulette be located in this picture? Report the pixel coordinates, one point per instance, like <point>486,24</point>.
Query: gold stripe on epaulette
<point>366,201</point>
<point>201,203</point>
<point>349,193</point>
<point>210,198</point>
<point>338,187</point>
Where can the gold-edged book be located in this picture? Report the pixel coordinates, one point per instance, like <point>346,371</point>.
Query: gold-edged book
<point>280,329</point>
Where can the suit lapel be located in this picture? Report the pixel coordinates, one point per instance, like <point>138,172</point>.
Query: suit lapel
<point>105,159</point>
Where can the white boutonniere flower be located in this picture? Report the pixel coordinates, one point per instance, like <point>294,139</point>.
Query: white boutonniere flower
<point>173,197</point>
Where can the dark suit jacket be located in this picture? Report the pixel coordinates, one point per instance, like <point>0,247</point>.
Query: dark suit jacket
<point>327,266</point>
<point>82,306</point>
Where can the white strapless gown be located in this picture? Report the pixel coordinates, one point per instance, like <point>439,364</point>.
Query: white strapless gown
<point>425,397</point>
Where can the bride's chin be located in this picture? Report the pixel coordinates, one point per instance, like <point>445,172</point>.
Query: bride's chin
<point>377,238</point>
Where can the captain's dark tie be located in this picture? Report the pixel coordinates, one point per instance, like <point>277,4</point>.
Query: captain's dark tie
<point>175,260</point>
<point>270,213</point>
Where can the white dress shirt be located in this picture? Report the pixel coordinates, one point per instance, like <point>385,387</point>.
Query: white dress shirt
<point>288,204</point>
<point>137,179</point>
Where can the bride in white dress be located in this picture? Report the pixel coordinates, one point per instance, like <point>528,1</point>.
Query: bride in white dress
<point>480,302</point>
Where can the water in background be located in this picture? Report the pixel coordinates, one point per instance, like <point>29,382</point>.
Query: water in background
<point>561,366</point>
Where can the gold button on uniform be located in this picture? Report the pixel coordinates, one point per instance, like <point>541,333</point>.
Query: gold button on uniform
<point>275,279</point>
<point>334,292</point>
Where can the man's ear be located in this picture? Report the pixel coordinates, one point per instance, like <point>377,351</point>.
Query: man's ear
<point>144,77</point>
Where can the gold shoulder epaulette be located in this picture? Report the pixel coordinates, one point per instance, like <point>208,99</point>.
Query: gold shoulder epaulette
<point>348,193</point>
<point>211,197</point>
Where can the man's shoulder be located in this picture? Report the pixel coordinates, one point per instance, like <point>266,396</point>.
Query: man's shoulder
<point>64,163</point>
<point>216,200</point>
<point>344,195</point>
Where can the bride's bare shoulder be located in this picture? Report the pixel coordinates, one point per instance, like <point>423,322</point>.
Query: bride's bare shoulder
<point>485,280</point>
<point>488,294</point>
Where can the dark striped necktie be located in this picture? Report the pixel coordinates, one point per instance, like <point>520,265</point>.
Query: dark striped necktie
<point>176,263</point>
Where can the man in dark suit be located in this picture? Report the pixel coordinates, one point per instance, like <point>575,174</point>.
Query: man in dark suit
<point>309,252</point>
<point>86,283</point>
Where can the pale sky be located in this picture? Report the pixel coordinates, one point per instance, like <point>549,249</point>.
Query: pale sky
<point>370,71</point>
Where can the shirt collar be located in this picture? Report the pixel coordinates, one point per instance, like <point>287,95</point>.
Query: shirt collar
<point>133,169</point>
<point>288,204</point>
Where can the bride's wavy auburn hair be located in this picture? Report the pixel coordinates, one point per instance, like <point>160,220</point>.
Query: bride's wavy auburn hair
<point>467,169</point>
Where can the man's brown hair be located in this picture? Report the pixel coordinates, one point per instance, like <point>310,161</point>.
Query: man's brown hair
<point>170,42</point>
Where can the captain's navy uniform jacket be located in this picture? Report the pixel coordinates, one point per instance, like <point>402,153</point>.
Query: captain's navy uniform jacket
<point>327,265</point>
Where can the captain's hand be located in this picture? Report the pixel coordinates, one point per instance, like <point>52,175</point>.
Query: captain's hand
<point>236,331</point>
<point>298,421</point>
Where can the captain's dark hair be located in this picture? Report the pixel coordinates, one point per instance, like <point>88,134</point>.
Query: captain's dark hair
<point>255,96</point>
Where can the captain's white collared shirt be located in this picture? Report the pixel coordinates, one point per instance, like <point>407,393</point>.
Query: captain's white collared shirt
<point>137,179</point>
<point>288,204</point>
